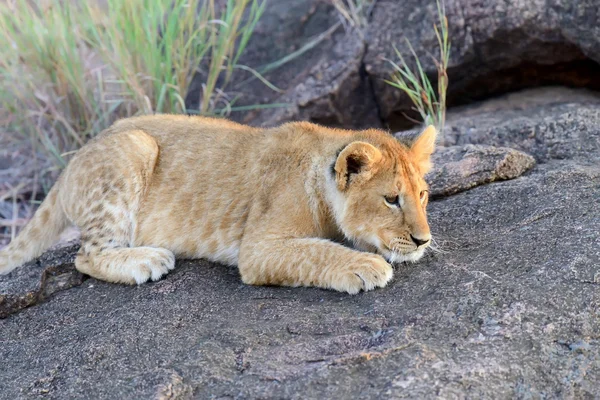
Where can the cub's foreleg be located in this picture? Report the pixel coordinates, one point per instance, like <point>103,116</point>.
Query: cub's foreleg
<point>311,262</point>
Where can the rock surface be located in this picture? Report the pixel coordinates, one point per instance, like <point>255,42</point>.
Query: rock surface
<point>332,91</point>
<point>509,307</point>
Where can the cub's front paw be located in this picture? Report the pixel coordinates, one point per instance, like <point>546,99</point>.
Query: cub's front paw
<point>366,272</point>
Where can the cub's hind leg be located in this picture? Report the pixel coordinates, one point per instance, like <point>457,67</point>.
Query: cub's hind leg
<point>124,264</point>
<point>107,182</point>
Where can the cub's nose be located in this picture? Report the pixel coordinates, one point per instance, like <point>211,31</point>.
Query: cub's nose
<point>419,242</point>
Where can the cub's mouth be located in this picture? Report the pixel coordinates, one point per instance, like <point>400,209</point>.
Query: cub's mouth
<point>392,256</point>
<point>397,254</point>
<point>396,257</point>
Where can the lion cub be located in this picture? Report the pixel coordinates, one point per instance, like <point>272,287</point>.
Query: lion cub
<point>276,202</point>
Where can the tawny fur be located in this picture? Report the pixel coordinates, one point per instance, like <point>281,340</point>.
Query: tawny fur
<point>276,202</point>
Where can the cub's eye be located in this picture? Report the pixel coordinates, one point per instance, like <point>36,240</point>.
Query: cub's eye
<point>392,200</point>
<point>423,195</point>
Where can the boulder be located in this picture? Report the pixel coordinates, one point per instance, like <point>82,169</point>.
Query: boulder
<point>323,84</point>
<point>333,91</point>
<point>497,46</point>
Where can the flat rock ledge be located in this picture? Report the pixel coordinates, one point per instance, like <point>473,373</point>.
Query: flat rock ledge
<point>459,168</point>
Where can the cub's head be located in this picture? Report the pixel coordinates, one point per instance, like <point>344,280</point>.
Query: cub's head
<point>381,195</point>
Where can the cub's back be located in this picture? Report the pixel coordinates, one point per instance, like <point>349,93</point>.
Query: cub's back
<point>197,199</point>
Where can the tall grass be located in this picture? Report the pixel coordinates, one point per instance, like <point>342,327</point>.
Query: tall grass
<point>430,103</point>
<point>69,69</point>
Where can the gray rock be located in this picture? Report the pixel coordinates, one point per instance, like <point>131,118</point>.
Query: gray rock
<point>509,308</point>
<point>458,168</point>
<point>332,91</point>
<point>564,124</point>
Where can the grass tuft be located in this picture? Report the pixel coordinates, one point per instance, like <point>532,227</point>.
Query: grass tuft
<point>70,69</point>
<point>430,103</point>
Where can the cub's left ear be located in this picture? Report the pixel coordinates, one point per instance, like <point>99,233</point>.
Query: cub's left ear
<point>355,163</point>
<point>423,147</point>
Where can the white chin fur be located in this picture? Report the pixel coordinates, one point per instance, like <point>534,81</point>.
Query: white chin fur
<point>395,257</point>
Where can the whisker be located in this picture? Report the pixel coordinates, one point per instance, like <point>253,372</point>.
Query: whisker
<point>436,247</point>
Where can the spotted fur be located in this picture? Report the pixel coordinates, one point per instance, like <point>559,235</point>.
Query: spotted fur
<point>276,202</point>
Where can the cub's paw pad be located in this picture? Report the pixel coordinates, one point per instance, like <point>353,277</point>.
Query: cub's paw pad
<point>348,282</point>
<point>365,274</point>
<point>375,272</point>
<point>155,264</point>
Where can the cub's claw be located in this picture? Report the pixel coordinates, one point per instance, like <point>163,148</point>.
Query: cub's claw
<point>365,274</point>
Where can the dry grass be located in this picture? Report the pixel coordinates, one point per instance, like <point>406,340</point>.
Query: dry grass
<point>430,103</point>
<point>69,69</point>
<point>354,12</point>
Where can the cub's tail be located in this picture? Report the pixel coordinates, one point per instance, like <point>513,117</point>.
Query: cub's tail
<point>40,233</point>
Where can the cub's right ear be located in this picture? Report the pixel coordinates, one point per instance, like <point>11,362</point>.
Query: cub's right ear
<point>422,148</point>
<point>355,163</point>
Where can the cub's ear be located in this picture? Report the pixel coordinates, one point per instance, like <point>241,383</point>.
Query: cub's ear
<point>356,160</point>
<point>422,148</point>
